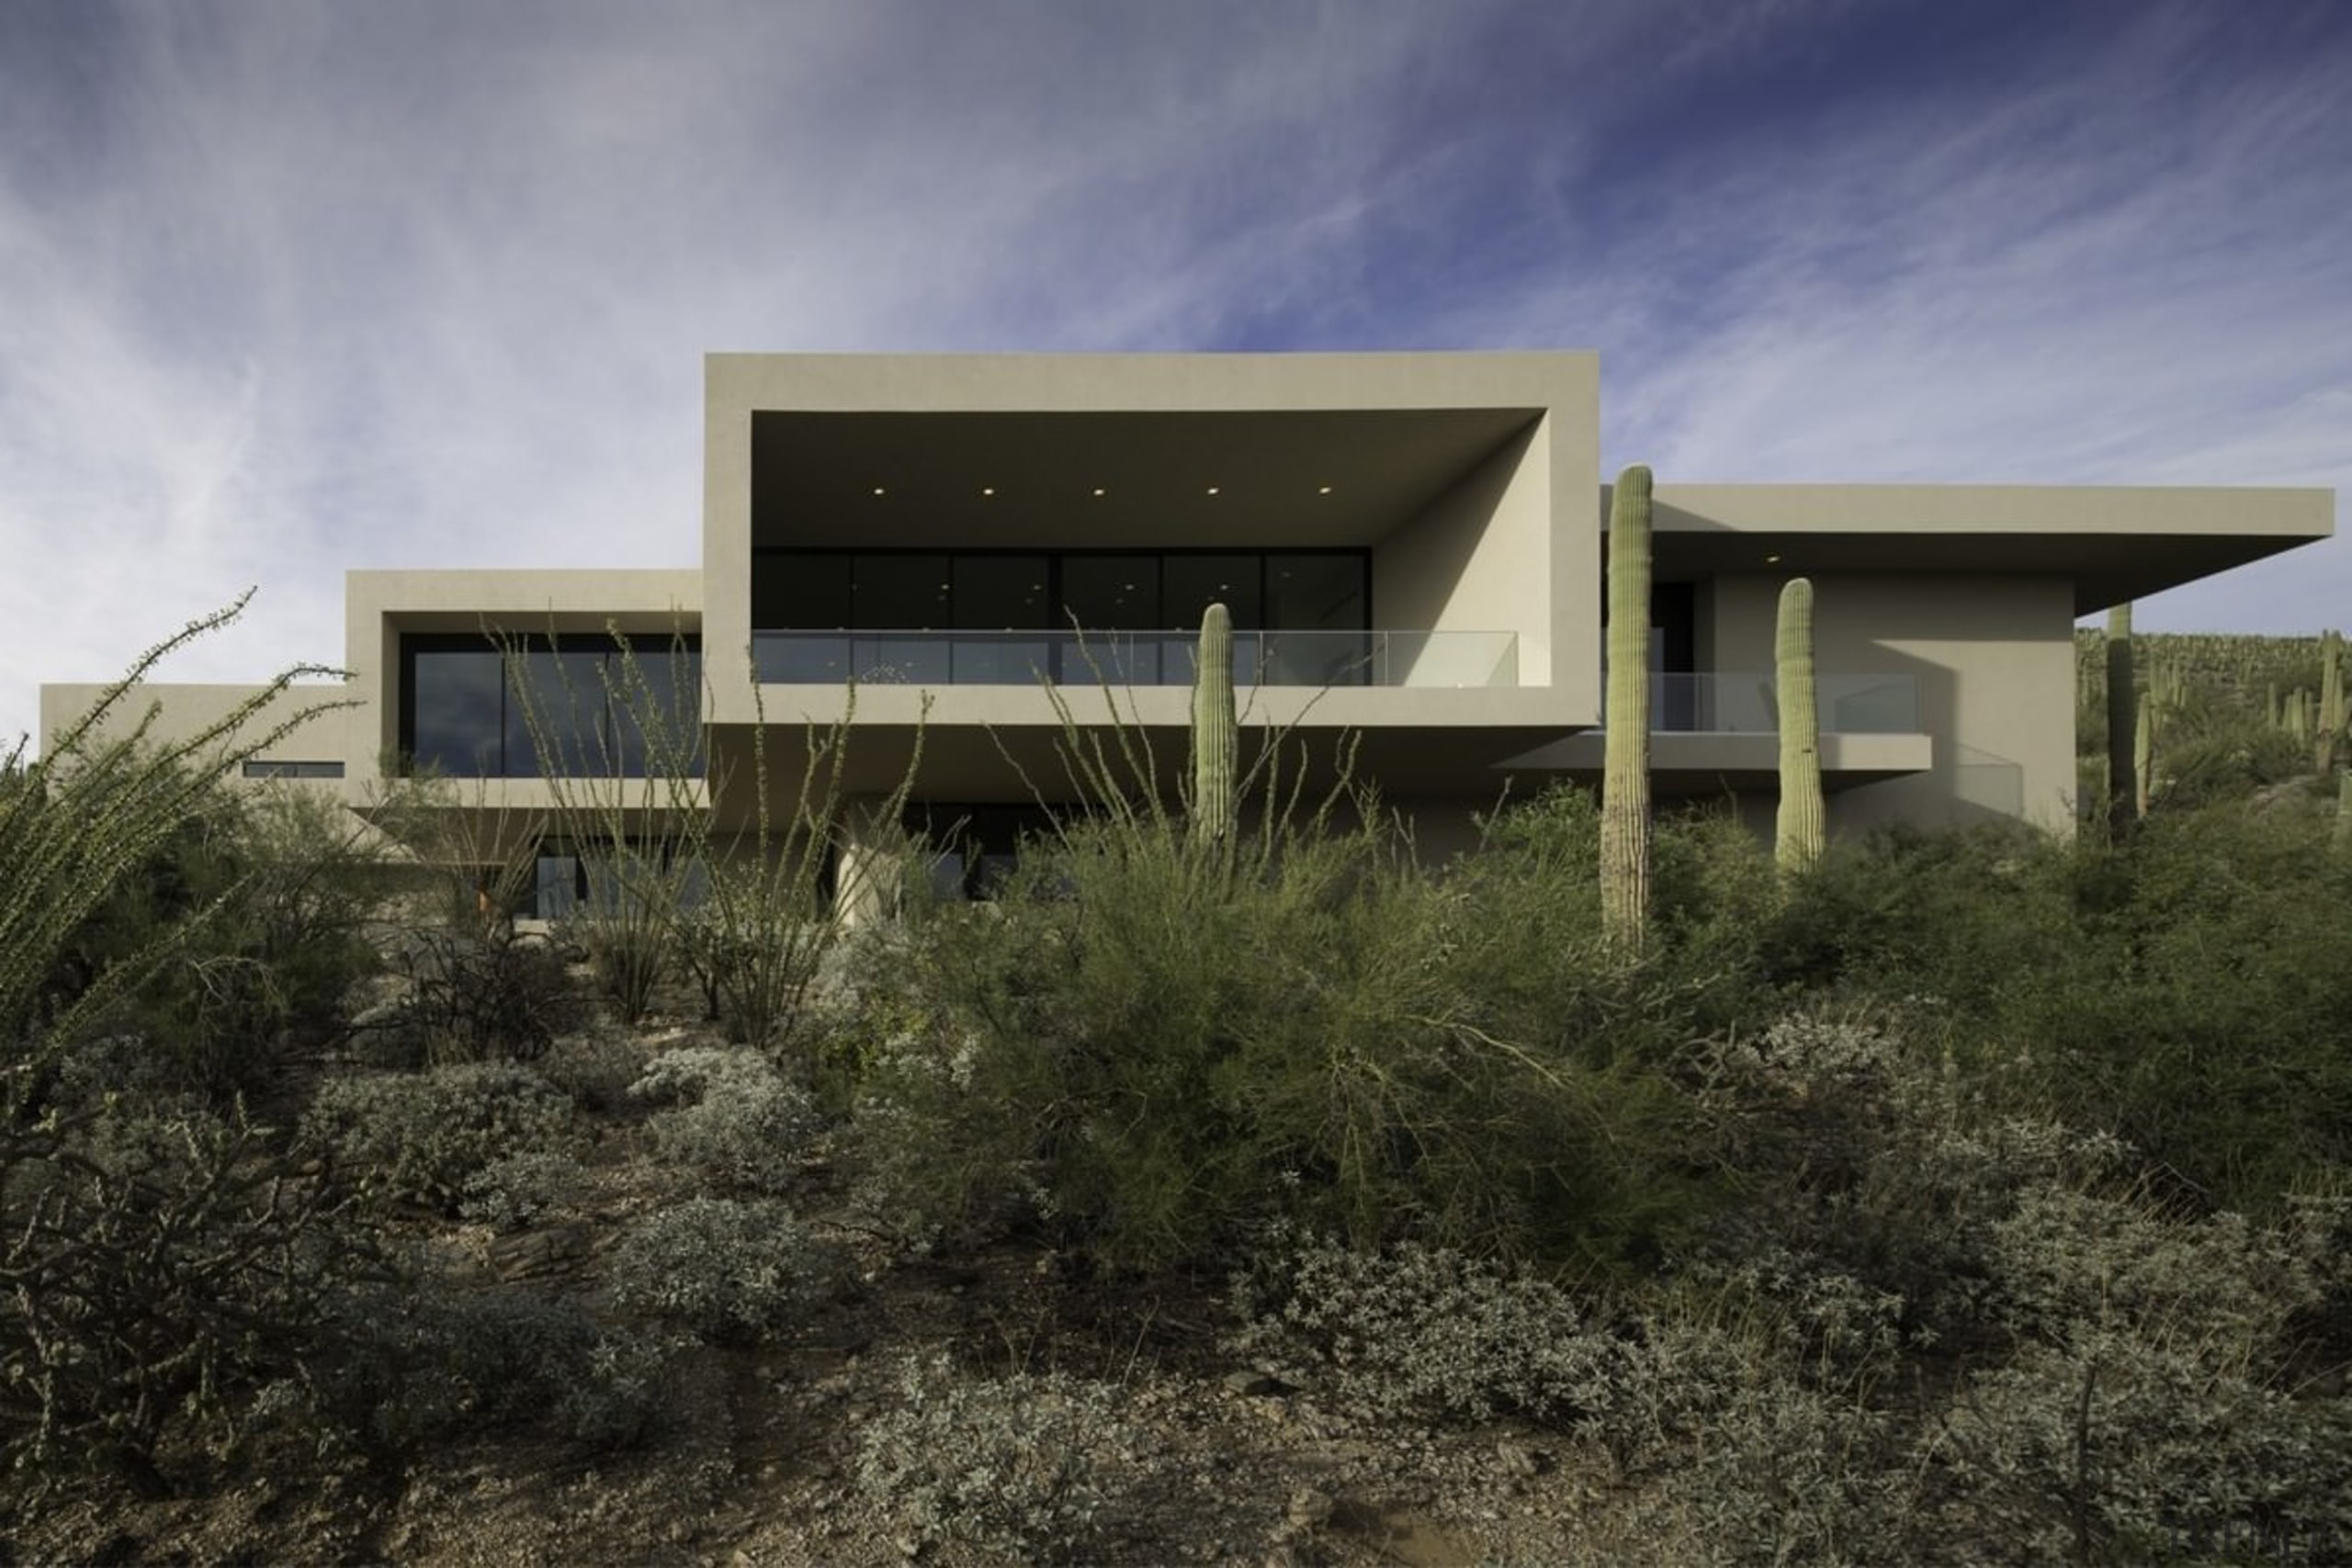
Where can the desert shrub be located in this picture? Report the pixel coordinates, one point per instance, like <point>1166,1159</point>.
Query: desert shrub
<point>1174,1047</point>
<point>1011,1466</point>
<point>496,997</point>
<point>447,1364</point>
<point>1865,1164</point>
<point>595,1067</point>
<point>164,1265</point>
<point>2127,1445</point>
<point>1420,1331</point>
<point>1955,916</point>
<point>1780,1471</point>
<point>2149,1410</point>
<point>2215,1031</point>
<point>730,1272</point>
<point>417,1137</point>
<point>731,1115</point>
<point>516,1193</point>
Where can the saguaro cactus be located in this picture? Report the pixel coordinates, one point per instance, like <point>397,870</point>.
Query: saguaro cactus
<point>1799,829</point>
<point>1215,731</point>
<point>2143,752</point>
<point>1625,755</point>
<point>2122,719</point>
<point>2327,740</point>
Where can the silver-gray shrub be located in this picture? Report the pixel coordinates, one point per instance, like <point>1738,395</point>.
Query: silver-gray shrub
<point>2152,1406</point>
<point>595,1066</point>
<point>730,1114</point>
<point>516,1193</point>
<point>2123,1445</point>
<point>416,1137</point>
<point>1426,1332</point>
<point>1867,1157</point>
<point>1013,1466</point>
<point>728,1271</point>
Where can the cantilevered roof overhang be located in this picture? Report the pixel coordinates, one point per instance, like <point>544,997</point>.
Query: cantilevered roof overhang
<point>1323,478</point>
<point>2115,543</point>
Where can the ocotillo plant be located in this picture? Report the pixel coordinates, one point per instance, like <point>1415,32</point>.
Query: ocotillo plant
<point>1799,829</point>
<point>1625,756</point>
<point>1215,731</point>
<point>2122,718</point>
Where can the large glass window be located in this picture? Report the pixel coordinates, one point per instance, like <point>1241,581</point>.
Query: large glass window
<point>455,704</point>
<point>1113,592</point>
<point>578,706</point>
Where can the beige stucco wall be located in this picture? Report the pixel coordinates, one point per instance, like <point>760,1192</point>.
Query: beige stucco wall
<point>1478,560</point>
<point>184,711</point>
<point>1993,658</point>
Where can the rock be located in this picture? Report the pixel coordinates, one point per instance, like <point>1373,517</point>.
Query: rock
<point>1255,1385</point>
<point>1310,1509</point>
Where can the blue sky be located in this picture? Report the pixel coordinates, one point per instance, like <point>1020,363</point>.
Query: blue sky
<point>287,287</point>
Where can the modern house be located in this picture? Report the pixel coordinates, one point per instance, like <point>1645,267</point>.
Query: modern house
<point>1412,547</point>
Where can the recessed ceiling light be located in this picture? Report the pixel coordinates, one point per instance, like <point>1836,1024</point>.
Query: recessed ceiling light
<point>1100,491</point>
<point>878,490</point>
<point>988,489</point>
<point>1772,560</point>
<point>1212,490</point>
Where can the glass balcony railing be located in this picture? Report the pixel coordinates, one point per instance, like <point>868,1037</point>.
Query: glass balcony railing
<point>1133,658</point>
<point>1727,704</point>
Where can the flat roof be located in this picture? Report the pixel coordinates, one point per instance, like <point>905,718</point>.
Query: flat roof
<point>2117,542</point>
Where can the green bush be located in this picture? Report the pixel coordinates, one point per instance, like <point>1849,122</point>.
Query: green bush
<point>417,1139</point>
<point>2205,1012</point>
<point>1154,1050</point>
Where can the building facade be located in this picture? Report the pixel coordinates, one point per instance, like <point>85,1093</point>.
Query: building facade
<point>956,555</point>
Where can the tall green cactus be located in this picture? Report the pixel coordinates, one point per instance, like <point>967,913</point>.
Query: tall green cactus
<point>2144,752</point>
<point>1799,829</point>
<point>2327,740</point>
<point>1215,731</point>
<point>2122,719</point>
<point>1625,755</point>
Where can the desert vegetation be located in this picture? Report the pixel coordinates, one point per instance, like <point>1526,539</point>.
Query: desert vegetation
<point>1258,1193</point>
